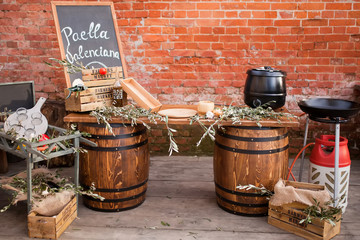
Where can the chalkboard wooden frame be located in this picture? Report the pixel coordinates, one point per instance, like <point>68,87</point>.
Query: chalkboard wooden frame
<point>55,4</point>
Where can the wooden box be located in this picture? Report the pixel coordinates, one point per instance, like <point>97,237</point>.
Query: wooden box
<point>140,95</point>
<point>98,92</point>
<point>52,227</point>
<point>288,216</point>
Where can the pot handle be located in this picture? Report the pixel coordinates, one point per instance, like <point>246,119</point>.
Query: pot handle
<point>268,68</point>
<point>257,102</point>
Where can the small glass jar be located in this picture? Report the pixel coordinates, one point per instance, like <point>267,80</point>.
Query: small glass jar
<point>36,118</point>
<point>29,131</point>
<point>21,114</point>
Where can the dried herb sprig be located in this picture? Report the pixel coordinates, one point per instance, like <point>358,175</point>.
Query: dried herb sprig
<point>208,131</point>
<point>70,67</point>
<point>134,115</point>
<point>262,190</point>
<point>173,146</point>
<point>326,213</point>
<point>44,185</point>
<point>236,115</point>
<point>12,202</point>
<point>54,134</point>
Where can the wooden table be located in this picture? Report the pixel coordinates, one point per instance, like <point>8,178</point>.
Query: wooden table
<point>244,154</point>
<point>284,121</point>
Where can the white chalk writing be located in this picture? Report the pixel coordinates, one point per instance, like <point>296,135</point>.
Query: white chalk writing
<point>94,32</point>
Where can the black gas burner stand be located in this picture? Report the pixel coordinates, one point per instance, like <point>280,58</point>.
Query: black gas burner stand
<point>332,120</point>
<point>333,111</point>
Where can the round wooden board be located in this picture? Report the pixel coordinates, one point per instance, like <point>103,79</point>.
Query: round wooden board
<point>178,112</point>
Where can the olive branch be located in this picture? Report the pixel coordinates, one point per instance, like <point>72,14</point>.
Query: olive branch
<point>236,115</point>
<point>71,68</point>
<point>326,213</point>
<point>44,185</point>
<point>134,115</point>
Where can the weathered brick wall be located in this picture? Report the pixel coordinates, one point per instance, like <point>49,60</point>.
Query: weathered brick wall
<point>186,51</point>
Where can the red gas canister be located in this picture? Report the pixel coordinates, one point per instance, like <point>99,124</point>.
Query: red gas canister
<point>322,164</point>
<point>323,153</point>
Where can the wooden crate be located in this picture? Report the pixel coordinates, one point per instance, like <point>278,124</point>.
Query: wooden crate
<point>52,227</point>
<point>288,216</point>
<point>98,92</point>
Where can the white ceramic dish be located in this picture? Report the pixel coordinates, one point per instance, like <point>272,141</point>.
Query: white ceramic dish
<point>178,112</point>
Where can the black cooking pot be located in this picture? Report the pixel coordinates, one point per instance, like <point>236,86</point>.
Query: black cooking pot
<point>264,85</point>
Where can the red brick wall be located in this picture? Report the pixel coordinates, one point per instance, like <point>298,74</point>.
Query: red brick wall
<point>186,51</point>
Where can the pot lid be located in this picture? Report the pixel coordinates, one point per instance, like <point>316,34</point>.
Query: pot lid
<point>266,72</point>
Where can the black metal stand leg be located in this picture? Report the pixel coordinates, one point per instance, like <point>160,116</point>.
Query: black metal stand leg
<point>303,153</point>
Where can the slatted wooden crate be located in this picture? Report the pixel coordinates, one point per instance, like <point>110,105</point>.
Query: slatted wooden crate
<point>98,92</point>
<point>52,227</point>
<point>288,216</point>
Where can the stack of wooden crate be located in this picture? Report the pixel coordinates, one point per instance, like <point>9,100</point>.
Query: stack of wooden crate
<point>98,92</point>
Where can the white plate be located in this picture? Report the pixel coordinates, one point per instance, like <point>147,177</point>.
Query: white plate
<point>178,112</point>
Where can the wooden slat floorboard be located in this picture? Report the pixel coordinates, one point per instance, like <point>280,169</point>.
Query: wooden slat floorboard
<point>181,193</point>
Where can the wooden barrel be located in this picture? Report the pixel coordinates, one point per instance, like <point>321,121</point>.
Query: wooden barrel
<point>118,166</point>
<point>248,155</point>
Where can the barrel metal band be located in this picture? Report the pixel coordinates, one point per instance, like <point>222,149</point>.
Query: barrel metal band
<point>246,151</point>
<point>114,125</point>
<point>250,205</point>
<point>114,209</point>
<point>253,127</point>
<point>116,200</point>
<point>117,189</point>
<point>248,139</point>
<point>245,194</point>
<point>242,214</point>
<point>114,149</point>
<point>121,136</point>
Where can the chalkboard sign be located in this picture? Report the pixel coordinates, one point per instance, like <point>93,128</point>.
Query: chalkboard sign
<point>16,95</point>
<point>87,34</point>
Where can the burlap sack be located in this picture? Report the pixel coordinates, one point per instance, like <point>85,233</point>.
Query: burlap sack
<point>49,206</point>
<point>288,194</point>
<point>53,204</point>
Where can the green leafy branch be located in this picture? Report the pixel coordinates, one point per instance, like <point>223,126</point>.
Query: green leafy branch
<point>44,185</point>
<point>134,115</point>
<point>262,190</point>
<point>71,68</point>
<point>236,115</point>
<point>326,213</point>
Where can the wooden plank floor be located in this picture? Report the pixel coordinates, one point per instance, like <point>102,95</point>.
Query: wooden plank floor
<point>180,193</point>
